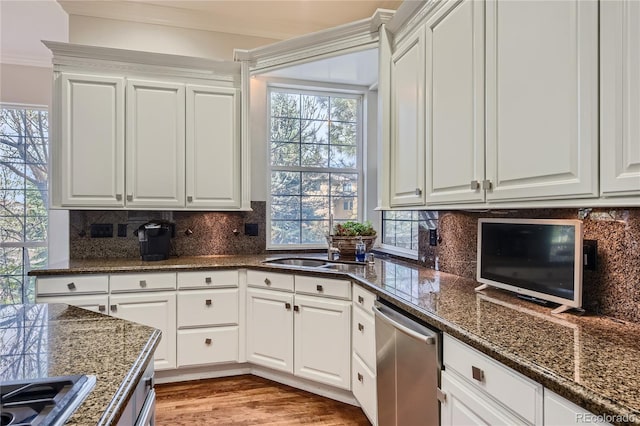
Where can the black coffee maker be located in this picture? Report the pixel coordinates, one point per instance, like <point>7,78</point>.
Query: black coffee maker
<point>155,239</point>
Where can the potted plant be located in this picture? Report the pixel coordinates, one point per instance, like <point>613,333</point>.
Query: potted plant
<point>346,235</point>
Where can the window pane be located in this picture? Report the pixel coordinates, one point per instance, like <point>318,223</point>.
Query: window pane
<point>345,208</point>
<point>315,207</point>
<point>35,228</point>
<point>36,258</point>
<point>13,202</point>
<point>344,109</point>
<point>315,183</point>
<point>344,157</point>
<point>389,234</point>
<point>11,150</point>
<point>314,131</point>
<point>401,228</point>
<point>36,152</point>
<point>315,107</point>
<point>285,232</point>
<point>11,229</point>
<point>315,155</point>
<point>12,176</point>
<point>285,183</point>
<point>285,207</point>
<point>344,184</point>
<point>36,202</point>
<point>343,133</point>
<point>314,231</point>
<point>285,130</point>
<point>285,105</point>
<point>11,261</point>
<point>403,234</point>
<point>285,154</point>
<point>10,289</point>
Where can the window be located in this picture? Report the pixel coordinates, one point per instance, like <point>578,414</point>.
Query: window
<point>314,164</point>
<point>400,229</point>
<point>23,200</point>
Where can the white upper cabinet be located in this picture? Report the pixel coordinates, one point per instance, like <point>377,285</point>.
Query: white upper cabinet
<point>620,97</point>
<point>542,99</point>
<point>155,144</point>
<point>407,122</point>
<point>90,149</point>
<point>454,46</point>
<point>213,147</point>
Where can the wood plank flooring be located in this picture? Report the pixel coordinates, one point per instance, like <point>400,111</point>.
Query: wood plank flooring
<point>248,400</point>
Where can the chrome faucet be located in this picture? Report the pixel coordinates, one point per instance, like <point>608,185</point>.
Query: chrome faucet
<point>332,252</point>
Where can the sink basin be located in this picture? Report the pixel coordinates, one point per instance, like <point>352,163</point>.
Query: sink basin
<point>344,267</point>
<point>309,263</point>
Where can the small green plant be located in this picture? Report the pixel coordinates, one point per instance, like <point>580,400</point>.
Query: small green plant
<point>354,229</point>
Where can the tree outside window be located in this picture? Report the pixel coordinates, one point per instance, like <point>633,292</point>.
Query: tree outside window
<point>23,200</point>
<point>314,164</point>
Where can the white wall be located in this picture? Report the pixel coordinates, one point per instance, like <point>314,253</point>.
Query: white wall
<point>22,84</point>
<point>158,38</point>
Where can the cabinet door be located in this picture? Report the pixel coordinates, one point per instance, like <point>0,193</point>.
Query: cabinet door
<point>620,97</point>
<point>90,151</point>
<point>270,329</point>
<point>407,122</point>
<point>454,45</point>
<point>558,411</point>
<point>542,99</point>
<point>322,340</point>
<point>155,144</point>
<point>95,303</point>
<point>465,405</point>
<point>156,310</point>
<point>213,147</point>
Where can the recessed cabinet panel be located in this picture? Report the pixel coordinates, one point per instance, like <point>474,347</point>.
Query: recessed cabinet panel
<point>95,303</point>
<point>620,97</point>
<point>213,147</point>
<point>155,144</point>
<point>542,110</point>
<point>198,308</point>
<point>454,45</point>
<point>407,122</point>
<point>91,146</point>
<point>207,346</point>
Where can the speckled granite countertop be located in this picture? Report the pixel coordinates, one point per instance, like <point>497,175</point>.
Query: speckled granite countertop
<point>45,340</point>
<point>590,360</point>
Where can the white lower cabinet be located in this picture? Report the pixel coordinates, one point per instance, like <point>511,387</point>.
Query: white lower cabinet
<point>155,309</point>
<point>363,368</point>
<point>465,405</point>
<point>270,329</point>
<point>560,412</point>
<point>209,345</point>
<point>322,340</point>
<point>363,385</point>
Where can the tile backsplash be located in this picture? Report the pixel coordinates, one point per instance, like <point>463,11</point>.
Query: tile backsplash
<point>613,289</point>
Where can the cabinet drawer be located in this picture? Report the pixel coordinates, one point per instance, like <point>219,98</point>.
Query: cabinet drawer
<point>513,390</point>
<point>272,280</point>
<point>73,284</point>
<point>208,279</point>
<point>198,308</point>
<point>140,282</point>
<point>323,287</point>
<point>207,345</point>
<point>364,337</point>
<point>364,385</point>
<point>95,303</point>
<point>363,299</point>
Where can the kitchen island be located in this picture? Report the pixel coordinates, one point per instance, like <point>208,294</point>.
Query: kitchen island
<point>46,340</point>
<point>589,360</point>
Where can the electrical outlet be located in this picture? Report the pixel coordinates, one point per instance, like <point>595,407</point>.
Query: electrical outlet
<point>101,230</point>
<point>433,237</point>
<point>122,230</point>
<point>590,254</point>
<point>251,229</point>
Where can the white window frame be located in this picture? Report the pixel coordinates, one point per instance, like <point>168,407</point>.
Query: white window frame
<point>395,250</point>
<point>308,89</point>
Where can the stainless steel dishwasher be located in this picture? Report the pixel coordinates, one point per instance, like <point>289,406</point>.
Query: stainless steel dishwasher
<point>408,362</point>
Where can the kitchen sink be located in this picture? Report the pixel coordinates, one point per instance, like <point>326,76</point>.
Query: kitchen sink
<point>344,267</point>
<point>309,263</point>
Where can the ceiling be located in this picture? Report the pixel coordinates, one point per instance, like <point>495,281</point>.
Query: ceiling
<point>280,19</point>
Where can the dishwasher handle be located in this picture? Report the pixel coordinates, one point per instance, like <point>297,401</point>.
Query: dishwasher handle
<point>429,340</point>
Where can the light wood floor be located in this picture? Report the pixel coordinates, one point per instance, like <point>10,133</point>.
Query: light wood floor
<point>248,400</point>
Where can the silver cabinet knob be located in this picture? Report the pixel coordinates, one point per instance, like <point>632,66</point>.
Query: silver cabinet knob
<point>71,286</point>
<point>287,306</point>
<point>207,302</point>
<point>486,184</point>
<point>360,299</point>
<point>143,283</point>
<point>418,191</point>
<point>189,199</point>
<point>114,308</point>
<point>477,373</point>
<point>102,308</point>
<point>360,327</point>
<point>129,197</point>
<point>207,280</point>
<point>118,197</point>
<point>475,185</point>
<point>208,341</point>
<point>360,378</point>
<point>267,281</point>
<point>319,288</point>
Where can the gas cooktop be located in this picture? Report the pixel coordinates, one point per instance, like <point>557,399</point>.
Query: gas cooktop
<point>42,402</point>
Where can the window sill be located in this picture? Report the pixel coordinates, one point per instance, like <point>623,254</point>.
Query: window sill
<point>396,251</point>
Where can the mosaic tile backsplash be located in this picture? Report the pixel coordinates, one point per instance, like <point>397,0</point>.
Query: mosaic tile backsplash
<point>613,289</point>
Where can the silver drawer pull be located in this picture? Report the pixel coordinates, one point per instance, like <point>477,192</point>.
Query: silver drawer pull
<point>287,306</point>
<point>208,341</point>
<point>360,299</point>
<point>118,197</point>
<point>207,302</point>
<point>207,280</point>
<point>319,288</point>
<point>71,286</point>
<point>360,378</point>
<point>189,199</point>
<point>143,283</point>
<point>477,373</point>
<point>129,197</point>
<point>360,327</point>
<point>475,185</point>
<point>102,308</point>
<point>267,281</point>
<point>114,308</point>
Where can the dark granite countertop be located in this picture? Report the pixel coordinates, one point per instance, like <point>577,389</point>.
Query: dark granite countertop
<point>590,360</point>
<point>45,340</point>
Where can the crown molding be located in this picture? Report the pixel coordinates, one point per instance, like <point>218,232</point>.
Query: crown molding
<point>409,16</point>
<point>107,58</point>
<point>357,35</point>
